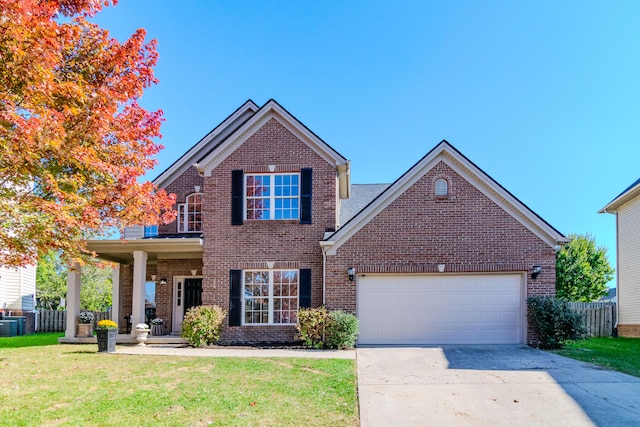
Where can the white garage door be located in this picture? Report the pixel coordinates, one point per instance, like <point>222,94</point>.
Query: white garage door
<point>440,309</point>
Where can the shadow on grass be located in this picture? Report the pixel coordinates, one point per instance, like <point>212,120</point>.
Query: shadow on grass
<point>32,340</point>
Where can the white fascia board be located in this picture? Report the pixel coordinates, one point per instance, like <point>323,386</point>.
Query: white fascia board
<point>476,177</point>
<point>344,180</point>
<point>613,206</point>
<point>190,157</point>
<point>270,110</point>
<point>147,245</point>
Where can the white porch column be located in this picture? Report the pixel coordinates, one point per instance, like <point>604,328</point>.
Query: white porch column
<point>115,295</point>
<point>139,279</point>
<point>73,299</point>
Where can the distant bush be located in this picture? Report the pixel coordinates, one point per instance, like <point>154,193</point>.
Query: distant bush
<point>202,325</point>
<point>554,321</point>
<point>311,325</point>
<point>319,328</point>
<point>342,330</point>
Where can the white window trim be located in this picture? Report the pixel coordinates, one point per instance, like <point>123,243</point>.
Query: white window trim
<point>183,224</point>
<point>271,298</point>
<point>272,196</point>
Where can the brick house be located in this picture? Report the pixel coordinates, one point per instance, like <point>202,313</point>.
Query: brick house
<point>269,222</point>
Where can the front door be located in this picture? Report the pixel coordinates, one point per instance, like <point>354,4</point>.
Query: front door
<point>192,293</point>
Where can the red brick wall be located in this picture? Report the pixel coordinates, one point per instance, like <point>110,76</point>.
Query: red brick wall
<point>287,243</point>
<point>163,269</point>
<point>168,269</point>
<point>182,187</point>
<point>126,295</point>
<point>466,231</point>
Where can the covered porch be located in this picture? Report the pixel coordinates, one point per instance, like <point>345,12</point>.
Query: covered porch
<point>149,278</point>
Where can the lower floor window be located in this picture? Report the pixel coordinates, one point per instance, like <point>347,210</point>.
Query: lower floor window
<point>270,297</point>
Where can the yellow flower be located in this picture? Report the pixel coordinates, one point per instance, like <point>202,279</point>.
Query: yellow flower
<point>107,324</point>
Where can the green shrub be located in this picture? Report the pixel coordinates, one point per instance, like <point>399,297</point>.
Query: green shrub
<point>311,324</point>
<point>202,325</point>
<point>319,328</point>
<point>554,322</point>
<point>342,330</point>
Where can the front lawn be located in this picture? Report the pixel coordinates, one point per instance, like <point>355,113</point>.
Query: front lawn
<point>620,354</point>
<point>74,385</point>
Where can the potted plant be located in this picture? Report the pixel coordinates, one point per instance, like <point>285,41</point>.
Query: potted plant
<point>157,326</point>
<point>142,331</point>
<point>107,332</point>
<point>85,324</point>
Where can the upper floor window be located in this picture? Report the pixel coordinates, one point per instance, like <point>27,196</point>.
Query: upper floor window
<point>190,214</point>
<point>150,230</point>
<point>272,196</point>
<point>442,188</point>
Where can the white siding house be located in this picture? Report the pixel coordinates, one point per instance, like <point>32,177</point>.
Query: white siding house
<point>17,289</point>
<point>626,207</point>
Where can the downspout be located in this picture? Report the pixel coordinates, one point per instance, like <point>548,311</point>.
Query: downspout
<point>325,246</point>
<point>324,277</point>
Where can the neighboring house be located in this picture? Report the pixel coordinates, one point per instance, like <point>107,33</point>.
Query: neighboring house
<point>17,290</point>
<point>610,296</point>
<point>269,222</point>
<point>626,208</point>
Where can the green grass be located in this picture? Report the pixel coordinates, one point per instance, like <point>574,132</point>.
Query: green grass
<point>33,340</point>
<point>74,385</point>
<point>620,354</point>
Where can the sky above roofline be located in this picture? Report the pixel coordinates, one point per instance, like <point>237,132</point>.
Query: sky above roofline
<point>543,96</point>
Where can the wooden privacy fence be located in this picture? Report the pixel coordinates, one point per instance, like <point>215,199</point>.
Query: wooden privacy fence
<point>599,317</point>
<point>56,321</point>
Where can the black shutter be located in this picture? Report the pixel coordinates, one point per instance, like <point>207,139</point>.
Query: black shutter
<point>305,195</point>
<point>235,298</point>
<point>305,288</point>
<point>237,197</point>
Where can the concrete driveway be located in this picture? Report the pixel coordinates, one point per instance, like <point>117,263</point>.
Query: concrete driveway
<point>490,386</point>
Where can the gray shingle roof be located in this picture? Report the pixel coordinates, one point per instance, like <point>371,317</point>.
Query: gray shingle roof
<point>361,196</point>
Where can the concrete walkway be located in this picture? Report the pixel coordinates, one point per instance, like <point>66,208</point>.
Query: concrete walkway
<point>490,386</point>
<point>172,350</point>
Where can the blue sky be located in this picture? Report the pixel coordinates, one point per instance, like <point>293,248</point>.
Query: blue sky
<point>543,96</point>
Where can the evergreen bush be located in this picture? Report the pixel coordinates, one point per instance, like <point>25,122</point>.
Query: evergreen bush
<point>554,321</point>
<point>202,325</point>
<point>342,330</point>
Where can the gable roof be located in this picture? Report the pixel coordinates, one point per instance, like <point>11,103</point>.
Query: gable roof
<point>627,195</point>
<point>464,167</point>
<point>207,143</point>
<point>273,110</point>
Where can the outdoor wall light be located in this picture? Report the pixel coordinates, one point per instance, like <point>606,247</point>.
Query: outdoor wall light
<point>163,281</point>
<point>153,277</point>
<point>352,273</point>
<point>535,271</point>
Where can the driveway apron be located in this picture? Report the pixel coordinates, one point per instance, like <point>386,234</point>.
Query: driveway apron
<point>490,385</point>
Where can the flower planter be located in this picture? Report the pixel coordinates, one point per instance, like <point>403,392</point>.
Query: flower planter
<point>157,330</point>
<point>107,340</point>
<point>141,336</point>
<point>84,330</point>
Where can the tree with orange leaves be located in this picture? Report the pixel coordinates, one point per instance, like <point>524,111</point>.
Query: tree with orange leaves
<point>73,139</point>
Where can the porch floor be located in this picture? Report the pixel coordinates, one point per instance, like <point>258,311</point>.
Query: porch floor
<point>126,339</point>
